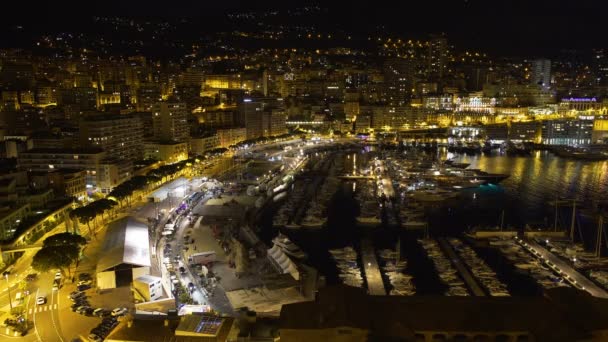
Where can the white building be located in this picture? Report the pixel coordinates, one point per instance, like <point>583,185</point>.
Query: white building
<point>148,287</point>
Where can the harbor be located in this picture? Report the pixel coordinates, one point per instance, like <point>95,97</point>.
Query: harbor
<point>397,195</point>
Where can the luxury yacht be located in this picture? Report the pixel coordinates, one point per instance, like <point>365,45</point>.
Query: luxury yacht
<point>289,247</point>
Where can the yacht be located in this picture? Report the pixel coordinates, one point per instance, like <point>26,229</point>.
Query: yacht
<point>290,248</point>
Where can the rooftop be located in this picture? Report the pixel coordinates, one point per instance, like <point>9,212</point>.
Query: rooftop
<point>190,328</point>
<point>126,243</point>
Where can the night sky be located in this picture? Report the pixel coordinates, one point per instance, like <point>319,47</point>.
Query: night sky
<point>501,27</point>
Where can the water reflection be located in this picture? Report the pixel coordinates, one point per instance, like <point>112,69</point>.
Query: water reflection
<point>542,177</point>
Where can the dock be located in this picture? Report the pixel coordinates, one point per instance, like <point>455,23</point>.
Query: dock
<point>566,269</point>
<point>468,278</point>
<point>375,285</point>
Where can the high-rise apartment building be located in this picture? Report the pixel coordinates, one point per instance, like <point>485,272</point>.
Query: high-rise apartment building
<point>170,121</point>
<point>263,117</point>
<point>437,56</point>
<point>120,136</point>
<point>541,72</point>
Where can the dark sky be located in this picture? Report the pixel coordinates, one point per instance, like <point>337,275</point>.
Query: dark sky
<point>510,27</point>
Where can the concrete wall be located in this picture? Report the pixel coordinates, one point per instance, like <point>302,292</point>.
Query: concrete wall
<point>106,280</point>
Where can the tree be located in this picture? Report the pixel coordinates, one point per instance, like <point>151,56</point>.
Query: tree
<point>56,257</point>
<point>64,239</point>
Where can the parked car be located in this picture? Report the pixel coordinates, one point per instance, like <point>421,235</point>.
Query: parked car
<point>83,287</point>
<point>101,312</point>
<point>82,309</point>
<point>75,295</point>
<point>83,282</point>
<point>58,276</point>
<point>31,277</point>
<point>119,312</point>
<point>94,338</point>
<point>88,311</point>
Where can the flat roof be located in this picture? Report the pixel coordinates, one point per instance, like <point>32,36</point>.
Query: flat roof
<point>199,325</point>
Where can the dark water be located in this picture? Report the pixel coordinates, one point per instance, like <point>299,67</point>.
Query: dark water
<point>524,197</point>
<point>538,179</point>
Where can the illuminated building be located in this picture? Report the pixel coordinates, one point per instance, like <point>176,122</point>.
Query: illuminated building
<point>46,95</point>
<point>168,152</point>
<point>525,131</point>
<point>148,95</point>
<point>216,118</point>
<point>84,98</point>
<point>231,136</point>
<point>399,80</point>
<point>497,132</point>
<point>591,105</point>
<point>567,131</point>
<point>351,110</point>
<point>121,137</point>
<point>109,98</point>
<point>363,123</point>
<point>263,117</point>
<point>101,173</point>
<point>148,287</point>
<point>541,73</point>
<point>10,217</point>
<point>223,81</point>
<point>199,145</point>
<point>170,121</point>
<point>437,56</point>
<point>600,131</point>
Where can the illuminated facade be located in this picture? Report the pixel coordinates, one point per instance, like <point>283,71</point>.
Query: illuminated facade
<point>568,132</point>
<point>166,152</point>
<point>170,121</point>
<point>223,81</point>
<point>121,137</point>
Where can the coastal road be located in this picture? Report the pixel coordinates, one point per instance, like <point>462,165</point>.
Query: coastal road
<point>566,269</point>
<point>462,269</point>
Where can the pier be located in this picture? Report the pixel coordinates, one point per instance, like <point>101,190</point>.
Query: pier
<point>375,285</point>
<point>566,269</point>
<point>353,177</point>
<point>468,278</point>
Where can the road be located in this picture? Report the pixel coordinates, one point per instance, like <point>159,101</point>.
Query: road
<point>462,269</point>
<point>375,285</point>
<point>566,269</point>
<point>46,316</point>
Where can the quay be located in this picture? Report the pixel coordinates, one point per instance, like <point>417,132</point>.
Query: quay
<point>371,269</point>
<point>468,278</point>
<point>566,269</point>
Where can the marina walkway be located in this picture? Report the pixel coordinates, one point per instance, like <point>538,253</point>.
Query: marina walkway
<point>375,285</point>
<point>566,269</point>
<point>468,278</point>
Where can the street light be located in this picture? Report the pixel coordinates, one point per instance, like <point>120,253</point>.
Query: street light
<point>5,274</point>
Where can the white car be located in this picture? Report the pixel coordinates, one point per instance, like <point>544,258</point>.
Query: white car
<point>119,311</point>
<point>58,275</point>
<point>41,300</point>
